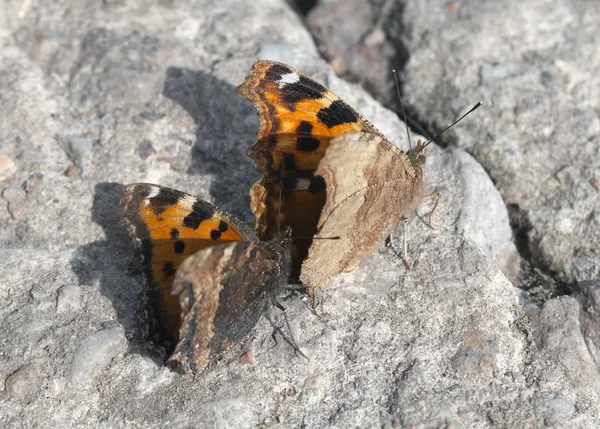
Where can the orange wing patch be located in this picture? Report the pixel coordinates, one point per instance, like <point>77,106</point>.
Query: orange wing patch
<point>167,226</point>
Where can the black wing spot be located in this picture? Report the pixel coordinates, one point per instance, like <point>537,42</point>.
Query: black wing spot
<point>174,234</point>
<point>196,217</point>
<point>289,161</point>
<point>168,269</point>
<point>223,226</point>
<point>317,184</point>
<point>337,113</point>
<point>179,246</point>
<point>304,128</point>
<point>162,200</point>
<point>307,144</point>
<point>215,234</point>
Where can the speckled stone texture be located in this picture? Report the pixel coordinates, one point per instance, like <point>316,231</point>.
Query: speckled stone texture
<point>96,95</point>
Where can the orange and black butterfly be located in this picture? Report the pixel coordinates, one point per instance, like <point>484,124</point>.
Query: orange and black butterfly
<point>209,276</point>
<point>326,171</point>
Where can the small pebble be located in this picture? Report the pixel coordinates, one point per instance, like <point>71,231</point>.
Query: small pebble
<point>72,171</point>
<point>76,148</point>
<point>69,298</point>
<point>7,167</point>
<point>94,353</point>
<point>34,184</point>
<point>21,382</point>
<point>247,358</point>
<point>17,202</point>
<point>145,149</point>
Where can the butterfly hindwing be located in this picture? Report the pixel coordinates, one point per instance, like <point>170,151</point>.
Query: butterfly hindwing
<point>167,226</point>
<point>223,290</point>
<point>371,187</point>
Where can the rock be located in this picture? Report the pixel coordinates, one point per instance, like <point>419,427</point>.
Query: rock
<point>353,40</point>
<point>18,206</point>
<point>34,185</point>
<point>7,167</point>
<point>94,354</point>
<point>588,296</point>
<point>444,344</point>
<point>145,149</point>
<point>564,361</point>
<point>556,410</point>
<point>22,382</point>
<point>484,217</point>
<point>76,147</point>
<point>537,134</point>
<point>470,205</point>
<point>68,299</point>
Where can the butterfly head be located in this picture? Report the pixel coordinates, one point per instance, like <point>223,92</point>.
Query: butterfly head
<point>417,154</point>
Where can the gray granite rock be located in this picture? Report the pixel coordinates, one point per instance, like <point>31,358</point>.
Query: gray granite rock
<point>353,39</point>
<point>445,343</point>
<point>472,204</point>
<point>536,66</point>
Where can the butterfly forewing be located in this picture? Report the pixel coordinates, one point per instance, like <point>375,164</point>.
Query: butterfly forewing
<point>299,117</point>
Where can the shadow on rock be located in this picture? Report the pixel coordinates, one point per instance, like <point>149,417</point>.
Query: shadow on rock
<point>224,133</point>
<point>112,262</point>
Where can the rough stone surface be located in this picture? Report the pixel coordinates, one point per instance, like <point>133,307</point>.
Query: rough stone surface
<point>353,39</point>
<point>536,66</point>
<point>444,344</point>
<point>471,206</point>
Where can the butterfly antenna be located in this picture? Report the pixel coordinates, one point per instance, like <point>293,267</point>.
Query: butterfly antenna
<point>453,124</point>
<point>279,203</point>
<point>402,106</point>
<point>335,237</point>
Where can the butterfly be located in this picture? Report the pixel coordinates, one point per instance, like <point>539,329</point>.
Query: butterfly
<point>326,171</point>
<point>209,276</point>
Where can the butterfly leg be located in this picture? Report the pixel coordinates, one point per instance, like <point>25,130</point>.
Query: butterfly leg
<point>291,340</point>
<point>389,241</point>
<point>437,196</point>
<point>405,245</point>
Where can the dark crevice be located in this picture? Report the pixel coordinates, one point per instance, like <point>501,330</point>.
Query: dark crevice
<point>302,6</point>
<point>535,275</point>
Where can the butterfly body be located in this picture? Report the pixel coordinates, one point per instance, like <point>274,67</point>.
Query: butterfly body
<point>337,175</point>
<point>209,276</point>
